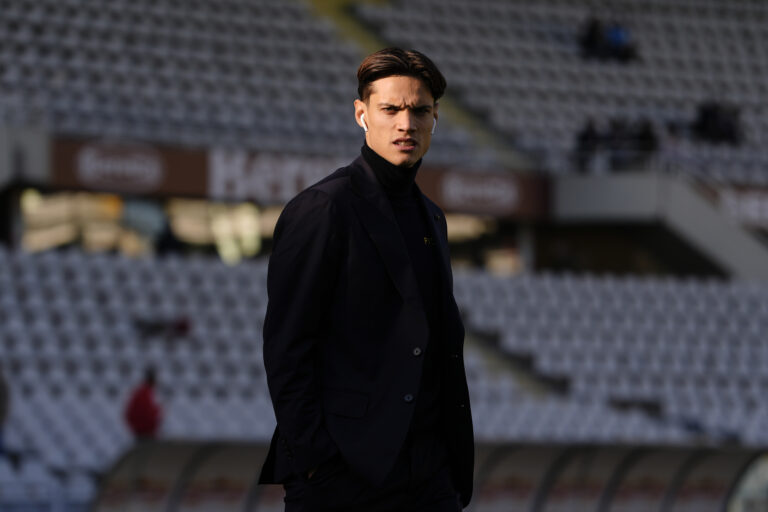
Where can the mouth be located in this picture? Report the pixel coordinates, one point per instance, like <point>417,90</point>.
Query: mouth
<point>405,144</point>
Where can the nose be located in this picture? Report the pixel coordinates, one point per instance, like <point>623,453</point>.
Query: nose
<point>406,121</point>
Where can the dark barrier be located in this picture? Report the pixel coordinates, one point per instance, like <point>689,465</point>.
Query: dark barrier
<point>707,484</point>
<point>645,478</point>
<point>177,476</point>
<point>144,479</point>
<point>579,483</point>
<point>508,477</point>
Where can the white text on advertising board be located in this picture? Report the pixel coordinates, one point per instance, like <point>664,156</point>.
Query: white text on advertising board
<point>263,177</point>
<point>481,193</point>
<point>123,167</point>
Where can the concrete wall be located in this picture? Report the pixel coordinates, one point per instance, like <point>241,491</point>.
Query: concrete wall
<point>24,155</point>
<point>675,202</point>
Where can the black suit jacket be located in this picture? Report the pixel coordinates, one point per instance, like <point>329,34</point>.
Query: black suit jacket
<point>343,319</point>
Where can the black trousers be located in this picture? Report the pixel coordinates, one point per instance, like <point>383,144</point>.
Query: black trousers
<point>419,482</point>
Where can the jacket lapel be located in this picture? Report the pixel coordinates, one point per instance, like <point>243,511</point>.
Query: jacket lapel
<point>376,215</point>
<point>436,223</point>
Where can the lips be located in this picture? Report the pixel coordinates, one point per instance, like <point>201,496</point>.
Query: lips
<point>405,143</point>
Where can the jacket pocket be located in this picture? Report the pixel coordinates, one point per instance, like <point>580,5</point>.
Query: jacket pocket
<point>348,404</point>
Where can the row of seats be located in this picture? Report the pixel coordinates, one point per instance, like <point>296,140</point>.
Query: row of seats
<point>274,77</point>
<point>519,64</point>
<point>70,380</point>
<point>270,76</point>
<point>33,487</point>
<point>693,348</point>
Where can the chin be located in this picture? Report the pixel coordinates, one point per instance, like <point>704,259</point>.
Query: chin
<point>405,160</point>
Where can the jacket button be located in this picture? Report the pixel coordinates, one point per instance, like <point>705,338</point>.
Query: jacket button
<point>461,406</point>
<point>437,217</point>
<point>417,351</point>
<point>408,398</point>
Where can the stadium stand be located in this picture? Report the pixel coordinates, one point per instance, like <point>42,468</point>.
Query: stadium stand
<point>73,341</point>
<point>265,75</point>
<point>519,64</point>
<point>690,348</point>
<point>671,365</point>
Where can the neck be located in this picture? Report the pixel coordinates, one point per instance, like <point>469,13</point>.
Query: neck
<point>396,180</point>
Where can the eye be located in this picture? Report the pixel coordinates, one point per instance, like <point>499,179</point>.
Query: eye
<point>390,109</point>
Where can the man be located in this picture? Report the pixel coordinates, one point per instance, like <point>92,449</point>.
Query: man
<point>142,412</point>
<point>362,337</point>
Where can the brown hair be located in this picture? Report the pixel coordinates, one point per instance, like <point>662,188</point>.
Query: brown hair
<point>399,62</point>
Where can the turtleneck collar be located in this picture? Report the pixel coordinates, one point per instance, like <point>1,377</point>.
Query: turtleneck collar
<point>397,181</point>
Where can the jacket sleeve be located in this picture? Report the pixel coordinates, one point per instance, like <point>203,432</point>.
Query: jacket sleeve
<point>300,284</point>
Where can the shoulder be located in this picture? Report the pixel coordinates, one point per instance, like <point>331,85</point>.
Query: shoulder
<point>318,208</point>
<point>324,192</point>
<point>336,182</point>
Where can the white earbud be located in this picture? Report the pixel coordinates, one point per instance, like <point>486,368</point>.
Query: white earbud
<point>362,121</point>
<point>434,125</point>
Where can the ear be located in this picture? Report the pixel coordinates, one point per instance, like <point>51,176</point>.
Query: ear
<point>360,108</point>
<point>434,120</point>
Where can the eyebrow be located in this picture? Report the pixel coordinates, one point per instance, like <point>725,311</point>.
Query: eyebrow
<point>414,107</point>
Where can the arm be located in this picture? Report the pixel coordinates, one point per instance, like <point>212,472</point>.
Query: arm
<point>300,284</point>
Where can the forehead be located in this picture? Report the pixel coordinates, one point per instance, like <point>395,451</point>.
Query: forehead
<point>400,89</point>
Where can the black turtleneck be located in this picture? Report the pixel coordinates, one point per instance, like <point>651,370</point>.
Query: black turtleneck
<point>413,221</point>
<point>396,180</point>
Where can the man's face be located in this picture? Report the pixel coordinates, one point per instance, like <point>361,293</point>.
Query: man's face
<point>399,114</point>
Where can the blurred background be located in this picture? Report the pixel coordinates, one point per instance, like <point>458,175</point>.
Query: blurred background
<point>604,173</point>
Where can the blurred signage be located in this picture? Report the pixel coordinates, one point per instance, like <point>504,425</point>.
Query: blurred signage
<point>127,167</point>
<point>270,178</point>
<point>749,205</point>
<point>500,194</point>
<point>497,192</point>
<point>132,166</point>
